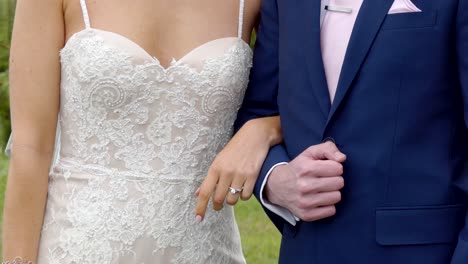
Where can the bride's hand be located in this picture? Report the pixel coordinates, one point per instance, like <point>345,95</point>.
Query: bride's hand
<point>236,168</point>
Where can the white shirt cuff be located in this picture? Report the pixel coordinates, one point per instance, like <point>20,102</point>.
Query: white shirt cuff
<point>278,210</point>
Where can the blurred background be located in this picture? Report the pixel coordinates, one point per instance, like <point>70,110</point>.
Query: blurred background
<point>6,22</point>
<point>260,239</point>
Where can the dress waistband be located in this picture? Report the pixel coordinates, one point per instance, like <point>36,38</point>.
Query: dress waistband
<point>69,166</point>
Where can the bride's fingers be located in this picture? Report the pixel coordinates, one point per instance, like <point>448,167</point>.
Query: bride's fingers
<point>204,193</point>
<point>221,192</point>
<point>249,186</point>
<point>237,183</point>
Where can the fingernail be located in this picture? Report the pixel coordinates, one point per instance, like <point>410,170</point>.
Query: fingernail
<point>340,155</point>
<point>197,192</point>
<point>198,218</point>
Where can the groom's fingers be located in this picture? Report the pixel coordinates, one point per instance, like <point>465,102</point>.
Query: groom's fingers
<point>329,184</point>
<point>318,213</point>
<point>314,185</point>
<point>325,151</point>
<point>326,199</point>
<point>204,194</point>
<point>319,168</point>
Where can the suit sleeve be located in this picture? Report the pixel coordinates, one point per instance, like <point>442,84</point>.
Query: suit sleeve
<point>461,252</point>
<point>261,95</point>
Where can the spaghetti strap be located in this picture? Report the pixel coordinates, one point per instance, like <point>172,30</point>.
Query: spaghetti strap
<point>84,10</point>
<point>241,19</point>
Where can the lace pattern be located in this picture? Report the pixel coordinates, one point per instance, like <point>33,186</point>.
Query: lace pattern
<point>137,140</point>
<point>153,114</point>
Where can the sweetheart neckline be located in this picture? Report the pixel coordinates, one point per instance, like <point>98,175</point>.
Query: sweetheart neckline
<point>153,58</point>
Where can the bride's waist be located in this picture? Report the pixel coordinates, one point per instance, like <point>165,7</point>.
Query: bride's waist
<point>66,167</point>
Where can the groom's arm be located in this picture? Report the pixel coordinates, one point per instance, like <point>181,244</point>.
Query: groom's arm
<point>261,98</point>
<point>461,252</point>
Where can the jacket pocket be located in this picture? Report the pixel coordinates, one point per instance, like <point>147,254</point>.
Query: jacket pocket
<point>419,225</point>
<point>425,19</point>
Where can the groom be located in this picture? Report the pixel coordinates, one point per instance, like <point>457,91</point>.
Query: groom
<point>386,83</point>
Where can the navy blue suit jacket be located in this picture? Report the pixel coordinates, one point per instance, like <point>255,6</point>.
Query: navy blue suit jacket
<point>400,114</point>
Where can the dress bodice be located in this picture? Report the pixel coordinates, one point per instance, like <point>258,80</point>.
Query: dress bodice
<point>120,108</point>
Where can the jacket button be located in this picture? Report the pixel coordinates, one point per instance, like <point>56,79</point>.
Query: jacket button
<point>329,139</point>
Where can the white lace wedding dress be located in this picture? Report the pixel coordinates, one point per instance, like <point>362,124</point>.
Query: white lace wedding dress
<point>137,140</point>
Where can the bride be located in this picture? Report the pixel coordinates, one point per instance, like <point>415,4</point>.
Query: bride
<point>143,115</point>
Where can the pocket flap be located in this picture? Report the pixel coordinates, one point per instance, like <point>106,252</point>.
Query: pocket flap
<point>410,20</point>
<point>419,225</point>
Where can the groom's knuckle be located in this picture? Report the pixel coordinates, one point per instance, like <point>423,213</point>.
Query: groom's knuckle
<point>304,217</point>
<point>302,186</point>
<point>302,204</point>
<point>311,150</point>
<point>317,214</point>
<point>316,201</point>
<point>301,169</point>
<point>310,216</point>
<point>332,169</point>
<point>315,185</point>
<point>329,145</point>
<point>314,169</point>
<point>301,214</point>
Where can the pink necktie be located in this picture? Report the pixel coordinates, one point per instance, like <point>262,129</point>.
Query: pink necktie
<point>335,34</point>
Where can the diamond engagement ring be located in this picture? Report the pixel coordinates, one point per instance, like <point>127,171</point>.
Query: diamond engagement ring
<point>235,190</point>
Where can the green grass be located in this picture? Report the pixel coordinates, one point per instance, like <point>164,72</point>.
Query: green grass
<point>3,173</point>
<point>260,239</point>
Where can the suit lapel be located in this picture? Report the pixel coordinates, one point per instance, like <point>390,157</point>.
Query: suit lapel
<point>367,25</point>
<point>314,61</point>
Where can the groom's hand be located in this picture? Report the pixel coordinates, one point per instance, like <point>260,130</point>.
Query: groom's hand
<point>309,186</point>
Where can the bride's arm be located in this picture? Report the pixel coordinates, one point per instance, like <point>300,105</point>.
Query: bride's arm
<point>38,36</point>
<point>239,164</point>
